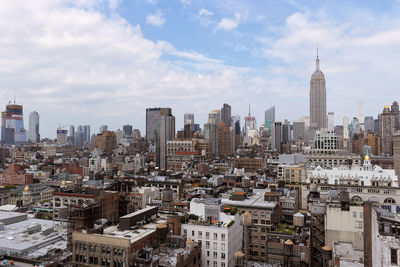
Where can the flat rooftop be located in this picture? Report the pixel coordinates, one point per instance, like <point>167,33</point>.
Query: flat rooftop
<point>255,200</point>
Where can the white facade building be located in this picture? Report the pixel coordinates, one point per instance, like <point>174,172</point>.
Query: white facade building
<point>220,238</point>
<point>367,175</point>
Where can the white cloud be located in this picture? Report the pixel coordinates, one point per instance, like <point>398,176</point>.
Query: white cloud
<point>185,2</point>
<point>79,66</point>
<point>357,55</point>
<point>151,2</point>
<point>156,19</point>
<point>205,12</point>
<point>228,23</point>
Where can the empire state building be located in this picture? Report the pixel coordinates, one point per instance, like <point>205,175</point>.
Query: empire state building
<point>318,117</point>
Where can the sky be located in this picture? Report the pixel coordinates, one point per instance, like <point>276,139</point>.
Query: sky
<point>101,62</point>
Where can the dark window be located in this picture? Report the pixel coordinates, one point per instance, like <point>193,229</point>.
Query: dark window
<point>393,256</point>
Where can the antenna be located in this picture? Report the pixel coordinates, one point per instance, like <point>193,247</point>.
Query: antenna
<point>15,95</point>
<point>249,111</point>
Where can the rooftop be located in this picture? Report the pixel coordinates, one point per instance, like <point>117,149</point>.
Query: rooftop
<point>255,200</point>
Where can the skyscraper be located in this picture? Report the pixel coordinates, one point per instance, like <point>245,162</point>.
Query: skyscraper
<point>369,124</point>
<point>127,130</point>
<point>86,130</point>
<point>269,118</point>
<point>386,128</point>
<point>72,131</point>
<point>249,123</point>
<point>12,125</point>
<point>346,128</point>
<point>33,134</point>
<point>211,131</point>
<point>396,115</point>
<point>331,121</point>
<point>188,119</point>
<point>276,136</point>
<point>361,117</point>
<point>318,98</point>
<point>226,115</point>
<point>153,116</point>
<point>167,133</point>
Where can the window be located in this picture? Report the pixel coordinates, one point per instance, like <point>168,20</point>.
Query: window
<point>223,246</point>
<point>207,235</point>
<point>207,244</point>
<point>359,224</point>
<point>354,214</point>
<point>215,264</point>
<point>361,214</point>
<point>215,245</point>
<point>208,253</point>
<point>215,255</point>
<point>222,237</point>
<point>192,232</point>
<point>215,236</point>
<point>222,264</point>
<point>393,256</point>
<point>200,234</point>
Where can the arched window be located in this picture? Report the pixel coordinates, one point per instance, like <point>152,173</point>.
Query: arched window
<point>389,200</point>
<point>357,200</point>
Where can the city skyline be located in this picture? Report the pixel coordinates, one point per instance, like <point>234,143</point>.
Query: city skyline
<point>80,60</point>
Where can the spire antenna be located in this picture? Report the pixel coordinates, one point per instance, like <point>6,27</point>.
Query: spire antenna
<point>317,61</point>
<point>249,111</point>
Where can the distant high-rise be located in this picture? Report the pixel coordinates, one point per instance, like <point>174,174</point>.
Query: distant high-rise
<point>396,115</point>
<point>71,131</point>
<point>386,128</point>
<point>299,131</point>
<point>346,128</point>
<point>318,117</point>
<point>269,118</point>
<point>153,116</point>
<point>276,136</point>
<point>211,131</point>
<point>167,133</point>
<point>226,115</point>
<point>188,119</point>
<point>331,121</point>
<point>127,130</point>
<point>79,138</point>
<point>103,128</point>
<point>12,125</point>
<point>369,124</point>
<point>86,130</point>
<point>249,123</point>
<point>361,117</point>
<point>61,136</point>
<point>33,134</point>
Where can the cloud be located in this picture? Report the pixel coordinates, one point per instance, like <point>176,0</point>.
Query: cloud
<point>77,66</point>
<point>205,12</point>
<point>357,55</point>
<point>151,2</point>
<point>228,23</point>
<point>185,2</point>
<point>156,19</point>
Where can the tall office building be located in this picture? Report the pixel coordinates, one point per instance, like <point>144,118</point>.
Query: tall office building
<point>61,136</point>
<point>188,119</point>
<point>226,115</point>
<point>12,125</point>
<point>299,130</point>
<point>386,128</point>
<point>79,137</point>
<point>167,133</point>
<point>211,131</point>
<point>276,136</point>
<point>249,123</point>
<point>269,118</point>
<point>396,152</point>
<point>86,130</point>
<point>160,128</point>
<point>331,121</point>
<point>236,130</point>
<point>318,99</point>
<point>127,130</point>
<point>71,131</point>
<point>346,128</point>
<point>153,116</point>
<point>33,134</point>
<point>103,128</point>
<point>396,115</point>
<point>369,124</point>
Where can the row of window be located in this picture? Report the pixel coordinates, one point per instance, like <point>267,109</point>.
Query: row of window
<point>215,255</point>
<point>200,235</point>
<point>95,261</point>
